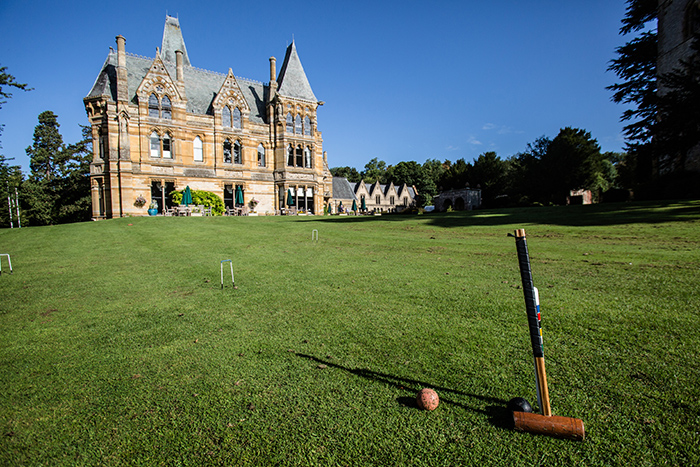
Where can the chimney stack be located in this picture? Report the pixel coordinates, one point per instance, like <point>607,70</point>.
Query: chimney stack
<point>122,85</point>
<point>273,70</point>
<point>180,74</point>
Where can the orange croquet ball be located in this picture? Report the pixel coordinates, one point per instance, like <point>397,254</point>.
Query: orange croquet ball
<point>427,399</point>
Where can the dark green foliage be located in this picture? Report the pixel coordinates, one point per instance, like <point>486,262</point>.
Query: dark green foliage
<point>58,187</point>
<point>573,161</point>
<point>489,172</point>
<point>6,80</point>
<point>10,178</point>
<point>375,171</point>
<point>204,198</point>
<point>350,173</point>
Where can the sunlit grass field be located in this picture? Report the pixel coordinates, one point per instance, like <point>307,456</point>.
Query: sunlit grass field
<point>118,345</point>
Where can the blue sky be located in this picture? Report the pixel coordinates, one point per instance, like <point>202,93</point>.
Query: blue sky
<point>402,80</point>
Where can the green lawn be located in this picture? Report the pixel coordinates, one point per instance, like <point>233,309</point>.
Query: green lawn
<point>118,346</point>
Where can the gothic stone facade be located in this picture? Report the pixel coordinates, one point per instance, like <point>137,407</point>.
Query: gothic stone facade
<point>160,124</point>
<point>678,22</point>
<point>376,197</point>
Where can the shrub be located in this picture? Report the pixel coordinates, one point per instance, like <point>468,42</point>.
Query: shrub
<point>205,198</point>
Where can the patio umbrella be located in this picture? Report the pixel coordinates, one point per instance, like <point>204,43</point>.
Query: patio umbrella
<point>239,195</point>
<point>187,196</point>
<point>354,205</point>
<point>364,205</point>
<point>290,200</point>
<point>330,207</point>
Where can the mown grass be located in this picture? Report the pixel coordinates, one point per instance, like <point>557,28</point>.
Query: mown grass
<point>118,346</point>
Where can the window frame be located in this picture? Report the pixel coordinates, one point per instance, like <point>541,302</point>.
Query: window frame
<point>237,152</point>
<point>197,149</point>
<point>261,155</point>
<point>236,119</point>
<point>154,137</point>
<point>226,119</point>
<point>228,150</point>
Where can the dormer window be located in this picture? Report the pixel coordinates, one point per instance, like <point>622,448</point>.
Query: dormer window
<point>165,108</point>
<point>159,108</point>
<point>237,118</point>
<point>153,106</point>
<point>226,117</point>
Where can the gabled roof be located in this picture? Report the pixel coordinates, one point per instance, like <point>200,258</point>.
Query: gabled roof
<point>201,86</point>
<point>342,189</point>
<point>292,79</point>
<point>172,41</point>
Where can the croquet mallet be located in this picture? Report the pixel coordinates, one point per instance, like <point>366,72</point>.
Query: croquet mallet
<point>545,423</point>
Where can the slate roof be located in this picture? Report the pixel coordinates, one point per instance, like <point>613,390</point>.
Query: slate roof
<point>384,189</point>
<point>201,86</point>
<point>172,41</point>
<point>292,79</point>
<point>343,189</point>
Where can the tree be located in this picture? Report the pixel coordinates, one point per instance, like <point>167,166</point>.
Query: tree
<point>489,172</point>
<point>6,80</point>
<point>573,161</point>
<point>527,181</point>
<point>350,173</point>
<point>375,170</point>
<point>57,189</point>
<point>636,67</point>
<point>10,179</point>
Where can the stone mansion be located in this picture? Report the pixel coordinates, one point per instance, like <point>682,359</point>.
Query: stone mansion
<point>160,124</point>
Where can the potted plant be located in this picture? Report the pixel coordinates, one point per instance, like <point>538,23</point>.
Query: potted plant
<point>153,208</point>
<point>253,203</point>
<point>140,201</point>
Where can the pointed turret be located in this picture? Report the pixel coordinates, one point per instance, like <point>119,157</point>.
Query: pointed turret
<point>172,41</point>
<point>292,80</point>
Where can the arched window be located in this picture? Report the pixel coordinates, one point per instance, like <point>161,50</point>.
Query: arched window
<point>261,155</point>
<point>692,20</point>
<point>167,147</point>
<point>300,157</point>
<point>166,108</point>
<point>297,125</point>
<point>290,155</point>
<point>153,106</point>
<point>226,117</point>
<point>237,118</point>
<point>307,126</point>
<point>227,151</point>
<point>378,199</point>
<point>155,145</point>
<point>237,153</point>
<point>307,157</point>
<point>197,151</point>
<point>290,123</point>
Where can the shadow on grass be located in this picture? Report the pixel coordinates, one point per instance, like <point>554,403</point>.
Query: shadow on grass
<point>497,413</point>
<point>589,215</point>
